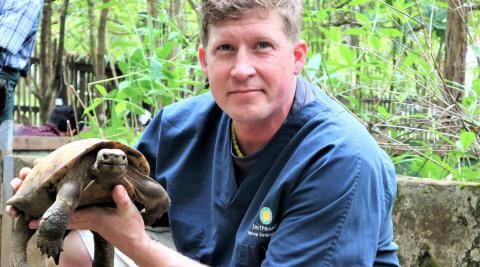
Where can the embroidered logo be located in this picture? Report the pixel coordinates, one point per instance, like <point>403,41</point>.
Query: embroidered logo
<point>266,228</point>
<point>266,215</point>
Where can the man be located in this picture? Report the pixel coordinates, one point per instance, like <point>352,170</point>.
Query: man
<point>265,169</point>
<point>18,27</point>
<point>61,122</point>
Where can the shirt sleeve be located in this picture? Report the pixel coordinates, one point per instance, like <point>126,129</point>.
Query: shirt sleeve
<point>18,22</point>
<point>338,215</point>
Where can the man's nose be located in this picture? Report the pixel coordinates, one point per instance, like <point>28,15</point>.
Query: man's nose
<point>243,66</point>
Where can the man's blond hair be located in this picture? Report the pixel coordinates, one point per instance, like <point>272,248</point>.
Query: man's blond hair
<point>214,11</point>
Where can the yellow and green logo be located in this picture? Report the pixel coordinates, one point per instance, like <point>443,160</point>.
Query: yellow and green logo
<point>266,215</point>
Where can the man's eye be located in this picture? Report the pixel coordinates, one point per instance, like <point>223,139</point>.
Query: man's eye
<point>263,45</point>
<point>224,47</point>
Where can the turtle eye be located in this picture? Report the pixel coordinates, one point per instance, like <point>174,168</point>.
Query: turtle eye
<point>124,157</point>
<point>105,156</point>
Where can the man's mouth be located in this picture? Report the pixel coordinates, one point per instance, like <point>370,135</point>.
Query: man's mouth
<point>245,91</point>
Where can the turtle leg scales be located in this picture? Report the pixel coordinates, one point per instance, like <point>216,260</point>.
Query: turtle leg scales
<point>51,231</point>
<point>55,220</point>
<point>104,252</point>
<point>22,233</point>
<point>151,194</point>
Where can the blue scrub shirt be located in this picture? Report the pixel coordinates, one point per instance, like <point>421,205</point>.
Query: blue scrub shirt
<point>319,194</point>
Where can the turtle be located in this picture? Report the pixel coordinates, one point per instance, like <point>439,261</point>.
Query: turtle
<point>79,174</point>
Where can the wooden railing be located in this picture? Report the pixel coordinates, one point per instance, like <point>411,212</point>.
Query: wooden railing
<point>78,73</point>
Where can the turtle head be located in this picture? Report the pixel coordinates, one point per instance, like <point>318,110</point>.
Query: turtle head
<point>110,162</point>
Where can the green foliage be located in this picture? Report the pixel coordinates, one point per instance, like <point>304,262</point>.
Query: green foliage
<point>157,70</point>
<point>381,59</point>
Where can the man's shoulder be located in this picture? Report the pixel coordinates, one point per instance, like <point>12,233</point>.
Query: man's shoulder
<point>187,104</point>
<point>333,128</point>
<point>189,108</point>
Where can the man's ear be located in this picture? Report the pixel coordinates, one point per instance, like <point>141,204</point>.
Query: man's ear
<point>300,50</point>
<point>203,61</point>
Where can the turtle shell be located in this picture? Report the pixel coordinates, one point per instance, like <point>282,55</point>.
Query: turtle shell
<point>53,167</point>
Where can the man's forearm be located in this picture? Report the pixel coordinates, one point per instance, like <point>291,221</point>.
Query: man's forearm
<point>153,253</point>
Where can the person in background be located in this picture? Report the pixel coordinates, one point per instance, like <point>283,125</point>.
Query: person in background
<point>61,122</point>
<point>18,28</point>
<point>263,170</point>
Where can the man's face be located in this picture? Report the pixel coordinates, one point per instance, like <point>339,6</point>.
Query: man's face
<point>252,67</point>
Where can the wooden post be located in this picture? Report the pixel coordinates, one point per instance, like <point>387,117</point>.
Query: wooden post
<point>6,147</point>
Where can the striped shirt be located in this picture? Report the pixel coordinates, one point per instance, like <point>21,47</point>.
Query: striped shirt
<point>18,26</point>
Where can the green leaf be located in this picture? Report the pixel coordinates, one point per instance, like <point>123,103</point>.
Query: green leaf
<point>348,54</point>
<point>357,2</point>
<point>383,112</point>
<point>101,89</point>
<point>476,87</point>
<point>106,5</point>
<point>321,15</point>
<point>391,32</point>
<point>156,69</point>
<point>333,34</point>
<point>120,107</point>
<point>465,141</point>
<point>314,62</point>
<point>166,50</point>
<point>95,103</point>
<point>376,42</point>
<point>362,18</point>
<point>356,31</point>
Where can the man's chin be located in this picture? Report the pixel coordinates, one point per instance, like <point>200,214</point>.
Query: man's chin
<point>250,117</point>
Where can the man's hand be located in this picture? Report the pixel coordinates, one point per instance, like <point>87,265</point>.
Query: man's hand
<point>122,226</point>
<point>15,184</point>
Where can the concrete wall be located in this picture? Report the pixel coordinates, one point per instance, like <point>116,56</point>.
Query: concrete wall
<point>436,223</point>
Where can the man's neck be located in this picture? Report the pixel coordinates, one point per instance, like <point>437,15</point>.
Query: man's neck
<point>252,137</point>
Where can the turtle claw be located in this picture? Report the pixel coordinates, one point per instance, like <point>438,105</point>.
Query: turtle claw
<point>52,248</point>
<point>56,259</point>
<point>148,219</point>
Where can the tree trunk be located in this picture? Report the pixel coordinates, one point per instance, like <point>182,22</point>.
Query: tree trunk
<point>152,11</point>
<point>91,27</point>
<point>44,93</point>
<point>58,84</point>
<point>100,59</point>
<point>455,49</point>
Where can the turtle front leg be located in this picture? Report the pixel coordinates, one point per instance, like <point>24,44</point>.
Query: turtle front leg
<point>103,256</point>
<point>55,220</point>
<point>21,234</point>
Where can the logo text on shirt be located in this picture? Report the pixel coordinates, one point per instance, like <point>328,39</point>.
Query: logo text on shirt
<point>263,229</point>
<point>259,230</point>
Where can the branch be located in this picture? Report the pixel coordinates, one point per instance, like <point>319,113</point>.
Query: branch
<point>472,7</point>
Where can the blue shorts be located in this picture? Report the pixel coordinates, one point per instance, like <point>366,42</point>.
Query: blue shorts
<point>8,81</point>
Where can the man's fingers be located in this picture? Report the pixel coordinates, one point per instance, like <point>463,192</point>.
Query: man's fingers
<point>11,211</point>
<point>23,172</point>
<point>121,198</point>
<point>36,161</point>
<point>16,183</point>
<point>34,224</point>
